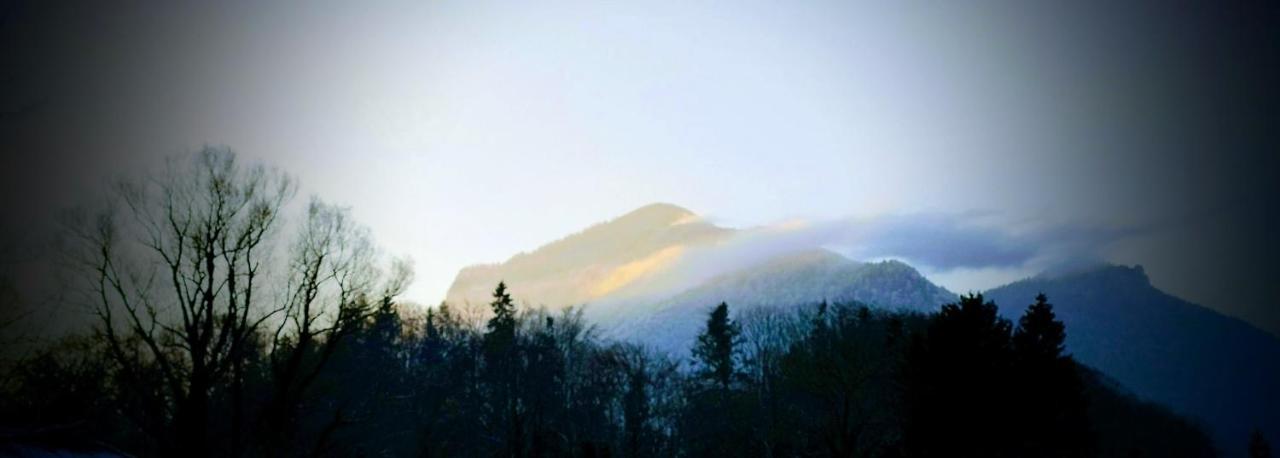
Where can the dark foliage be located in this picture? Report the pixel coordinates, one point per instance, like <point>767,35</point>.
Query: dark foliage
<point>1126,426</point>
<point>957,379</point>
<point>1258,446</point>
<point>1049,409</point>
<point>832,380</point>
<point>1219,370</point>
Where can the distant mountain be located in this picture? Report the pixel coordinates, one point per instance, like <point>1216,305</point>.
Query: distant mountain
<point>1210,367</point>
<point>803,278</point>
<point>653,271</point>
<point>605,262</point>
<point>652,274</point>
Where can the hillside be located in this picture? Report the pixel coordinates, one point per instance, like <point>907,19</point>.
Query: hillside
<point>651,275</point>
<point>798,279</point>
<point>1202,364</point>
<point>603,261</point>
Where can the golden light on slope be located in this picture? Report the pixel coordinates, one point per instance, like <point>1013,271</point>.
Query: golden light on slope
<point>790,225</point>
<point>686,219</point>
<point>629,272</point>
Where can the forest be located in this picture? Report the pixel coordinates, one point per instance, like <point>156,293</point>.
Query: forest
<point>215,335</point>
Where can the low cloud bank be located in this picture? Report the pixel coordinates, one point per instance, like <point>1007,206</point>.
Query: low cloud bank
<point>960,251</point>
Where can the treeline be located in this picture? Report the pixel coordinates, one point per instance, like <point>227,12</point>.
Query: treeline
<point>826,380</point>
<point>222,330</point>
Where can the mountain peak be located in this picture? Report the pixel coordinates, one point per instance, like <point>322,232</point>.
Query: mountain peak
<point>596,261</point>
<point>660,214</point>
<point>1135,274</point>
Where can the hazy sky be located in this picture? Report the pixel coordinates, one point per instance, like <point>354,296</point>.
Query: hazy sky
<point>464,132</point>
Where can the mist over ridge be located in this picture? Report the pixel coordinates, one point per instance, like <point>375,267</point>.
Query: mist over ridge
<point>629,229</point>
<point>677,266</point>
<point>657,251</point>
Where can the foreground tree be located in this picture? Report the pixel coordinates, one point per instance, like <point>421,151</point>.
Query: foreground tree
<point>503,411</point>
<point>174,264</point>
<point>1050,409</point>
<point>179,274</point>
<point>1258,446</point>
<point>716,391</point>
<point>834,381</point>
<point>333,287</point>
<point>956,383</point>
<point>715,352</point>
<point>205,346</point>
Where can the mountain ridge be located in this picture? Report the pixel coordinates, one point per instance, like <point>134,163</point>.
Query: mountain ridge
<point>1197,361</point>
<point>1201,363</point>
<point>799,279</point>
<point>594,262</point>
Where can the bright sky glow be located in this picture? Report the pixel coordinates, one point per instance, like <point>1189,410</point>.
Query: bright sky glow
<point>464,132</point>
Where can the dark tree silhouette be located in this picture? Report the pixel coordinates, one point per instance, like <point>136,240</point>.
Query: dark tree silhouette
<point>503,410</point>
<point>1039,336</point>
<point>715,350</point>
<point>222,359</point>
<point>543,391</point>
<point>502,326</point>
<point>215,337</point>
<point>1258,446</point>
<point>200,226</point>
<point>641,376</point>
<point>715,392</point>
<point>957,383</point>
<point>178,270</point>
<point>835,382</point>
<point>1050,412</point>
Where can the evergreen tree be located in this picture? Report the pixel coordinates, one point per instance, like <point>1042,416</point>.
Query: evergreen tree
<point>1050,409</point>
<point>644,386</point>
<point>1040,336</point>
<point>501,375</point>
<point>715,351</point>
<point>528,385</point>
<point>832,385</point>
<point>502,326</point>
<point>718,418</point>
<point>956,383</point>
<point>543,391</point>
<point>636,410</point>
<point>368,375</point>
<point>1258,446</point>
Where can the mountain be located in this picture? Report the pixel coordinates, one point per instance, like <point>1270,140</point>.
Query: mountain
<point>662,264</point>
<point>803,278</point>
<point>1212,368</point>
<point>652,274</point>
<point>606,261</point>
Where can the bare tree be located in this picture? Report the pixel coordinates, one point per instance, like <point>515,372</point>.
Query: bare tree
<point>332,285</point>
<point>180,267</point>
<point>767,333</point>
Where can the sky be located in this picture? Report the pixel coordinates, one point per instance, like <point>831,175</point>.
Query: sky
<point>465,132</point>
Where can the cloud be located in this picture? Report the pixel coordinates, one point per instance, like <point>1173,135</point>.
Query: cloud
<point>938,241</point>
<point>965,247</point>
<point>946,242</point>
